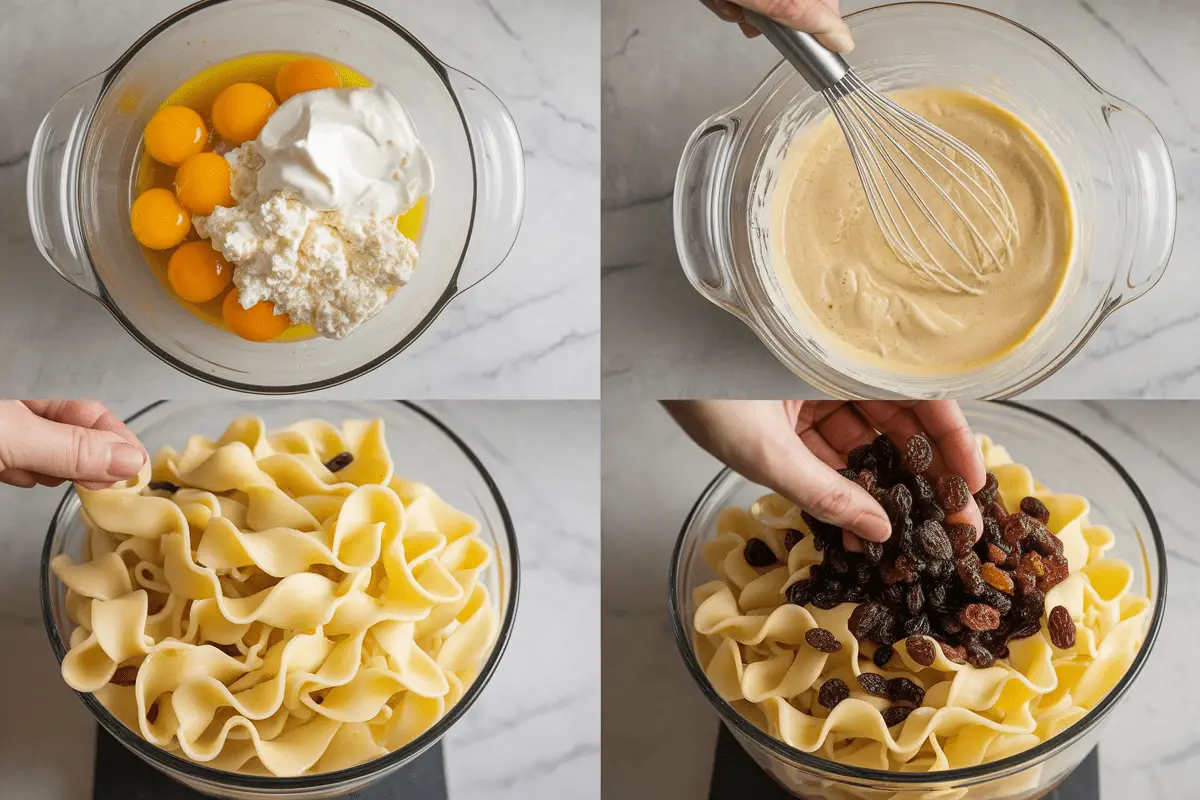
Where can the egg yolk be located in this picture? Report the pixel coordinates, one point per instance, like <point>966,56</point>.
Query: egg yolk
<point>174,134</point>
<point>202,183</point>
<point>304,75</point>
<point>259,323</point>
<point>198,273</point>
<point>158,220</point>
<point>241,110</point>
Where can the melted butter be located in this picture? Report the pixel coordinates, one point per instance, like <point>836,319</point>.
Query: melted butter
<point>198,93</point>
<point>844,281</point>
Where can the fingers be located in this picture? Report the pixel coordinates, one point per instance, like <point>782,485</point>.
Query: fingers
<point>812,16</point>
<point>947,427</point>
<point>64,450</point>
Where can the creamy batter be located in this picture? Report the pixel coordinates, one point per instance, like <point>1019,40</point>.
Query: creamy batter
<point>842,278</point>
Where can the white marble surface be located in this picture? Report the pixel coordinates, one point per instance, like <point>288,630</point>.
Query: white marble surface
<point>531,330</point>
<point>659,731</point>
<point>535,730</point>
<point>668,65</point>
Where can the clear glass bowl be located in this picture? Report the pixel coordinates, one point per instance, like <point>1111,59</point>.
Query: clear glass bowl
<point>82,181</point>
<point>423,449</point>
<point>1116,165</point>
<point>1061,457</point>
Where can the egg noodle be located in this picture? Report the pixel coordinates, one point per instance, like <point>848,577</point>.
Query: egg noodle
<point>282,619</point>
<point>750,643</point>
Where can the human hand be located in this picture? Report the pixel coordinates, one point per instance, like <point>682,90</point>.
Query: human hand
<point>50,441</point>
<point>794,448</point>
<point>821,18</point>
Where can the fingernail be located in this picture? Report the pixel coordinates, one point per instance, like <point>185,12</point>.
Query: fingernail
<point>870,526</point>
<point>124,461</point>
<point>838,40</point>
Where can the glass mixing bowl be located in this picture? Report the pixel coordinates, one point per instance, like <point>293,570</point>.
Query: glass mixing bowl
<point>85,155</point>
<point>1067,461</point>
<point>423,449</point>
<point>1115,163</point>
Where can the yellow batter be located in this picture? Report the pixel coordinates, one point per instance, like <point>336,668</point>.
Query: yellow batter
<point>842,278</point>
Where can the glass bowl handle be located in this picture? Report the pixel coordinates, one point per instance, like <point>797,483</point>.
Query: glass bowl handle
<point>499,178</point>
<point>1153,193</point>
<point>701,214</point>
<point>51,189</point>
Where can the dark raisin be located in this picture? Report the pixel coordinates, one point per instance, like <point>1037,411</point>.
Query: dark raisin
<point>152,713</point>
<point>1061,628</point>
<point>936,599</point>
<point>962,538</point>
<point>868,480</point>
<point>127,676</point>
<point>968,572</point>
<point>874,684</point>
<point>230,650</point>
<point>856,594</point>
<point>921,488</point>
<point>848,474</point>
<point>836,559</point>
<point>987,495</point>
<point>1057,571</point>
<point>1042,540</point>
<point>862,458</point>
<point>903,690</point>
<point>918,454</point>
<point>822,640</point>
<point>950,626</point>
<point>826,601</point>
<point>894,715</point>
<point>882,656</point>
<point>1026,629</point>
<point>997,578</point>
<point>930,510</point>
<point>997,511</point>
<point>1036,509</point>
<point>920,649</point>
<point>980,617</point>
<point>997,600</point>
<point>759,554</point>
<point>917,626</point>
<point>953,493</point>
<point>1025,582</point>
<point>162,486</point>
<point>935,542</point>
<point>800,592</point>
<point>861,573</point>
<point>979,656</point>
<point>897,502</point>
<point>792,538</point>
<point>339,462</point>
<point>941,571</point>
<point>992,532</point>
<point>955,655</point>
<point>1015,529</point>
<point>833,691</point>
<point>914,599</point>
<point>885,454</point>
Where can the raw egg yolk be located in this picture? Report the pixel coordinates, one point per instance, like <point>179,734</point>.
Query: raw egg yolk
<point>198,273</point>
<point>241,110</point>
<point>305,75</point>
<point>258,323</point>
<point>202,183</point>
<point>174,134</point>
<point>158,220</point>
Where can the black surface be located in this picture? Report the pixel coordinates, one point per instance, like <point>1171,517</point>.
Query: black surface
<point>120,775</point>
<point>737,777</point>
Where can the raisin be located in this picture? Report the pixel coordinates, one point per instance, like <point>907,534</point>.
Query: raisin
<point>882,656</point>
<point>979,656</point>
<point>997,511</point>
<point>920,649</point>
<point>868,480</point>
<point>929,509</point>
<point>152,713</point>
<point>935,542</point>
<point>1032,564</point>
<point>992,532</point>
<point>936,599</point>
<point>826,600</point>
<point>996,554</point>
<point>896,574</point>
<point>339,462</point>
<point>997,600</point>
<point>127,676</point>
<point>759,554</point>
<point>867,619</point>
<point>792,538</point>
<point>848,474</point>
<point>856,594</point>
<point>980,617</point>
<point>162,486</point>
<point>822,640</point>
<point>862,458</point>
<point>918,454</point>
<point>996,577</point>
<point>230,650</point>
<point>1042,540</point>
<point>914,599</point>
<point>874,684</point>
<point>832,692</point>
<point>885,454</point>
<point>903,690</point>
<point>968,572</point>
<point>1062,628</point>
<point>987,495</point>
<point>800,592</point>
<point>1026,629</point>
<point>917,626</point>
<point>836,559</point>
<point>955,655</point>
<point>1036,509</point>
<point>1025,582</point>
<point>1032,605</point>
<point>1057,571</point>
<point>921,489</point>
<point>962,538</point>
<point>941,570</point>
<point>1015,529</point>
<point>897,502</point>
<point>894,715</point>
<point>952,492</point>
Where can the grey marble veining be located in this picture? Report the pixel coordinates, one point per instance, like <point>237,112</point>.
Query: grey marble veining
<point>530,330</point>
<point>668,65</point>
<point>535,730</point>
<point>660,731</point>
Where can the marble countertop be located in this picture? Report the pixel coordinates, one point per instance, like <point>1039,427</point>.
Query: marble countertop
<point>535,730</point>
<point>669,65</point>
<point>660,732</point>
<point>531,330</point>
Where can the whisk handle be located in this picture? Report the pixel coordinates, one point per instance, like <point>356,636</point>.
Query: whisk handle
<point>818,65</point>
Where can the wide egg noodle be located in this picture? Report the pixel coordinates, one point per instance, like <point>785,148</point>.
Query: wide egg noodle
<point>750,642</point>
<point>282,619</point>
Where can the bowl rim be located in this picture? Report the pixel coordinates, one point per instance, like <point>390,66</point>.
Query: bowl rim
<point>159,757</point>
<point>449,293</point>
<point>989,770</point>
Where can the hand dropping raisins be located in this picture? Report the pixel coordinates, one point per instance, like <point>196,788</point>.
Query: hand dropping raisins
<point>832,692</point>
<point>759,554</point>
<point>953,493</point>
<point>339,462</point>
<point>1062,628</point>
<point>918,454</point>
<point>920,649</point>
<point>822,640</point>
<point>1036,509</point>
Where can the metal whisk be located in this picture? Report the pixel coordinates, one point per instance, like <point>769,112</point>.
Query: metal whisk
<point>911,170</point>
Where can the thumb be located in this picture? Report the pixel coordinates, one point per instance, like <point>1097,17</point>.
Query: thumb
<point>818,489</point>
<point>811,16</point>
<point>70,451</point>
